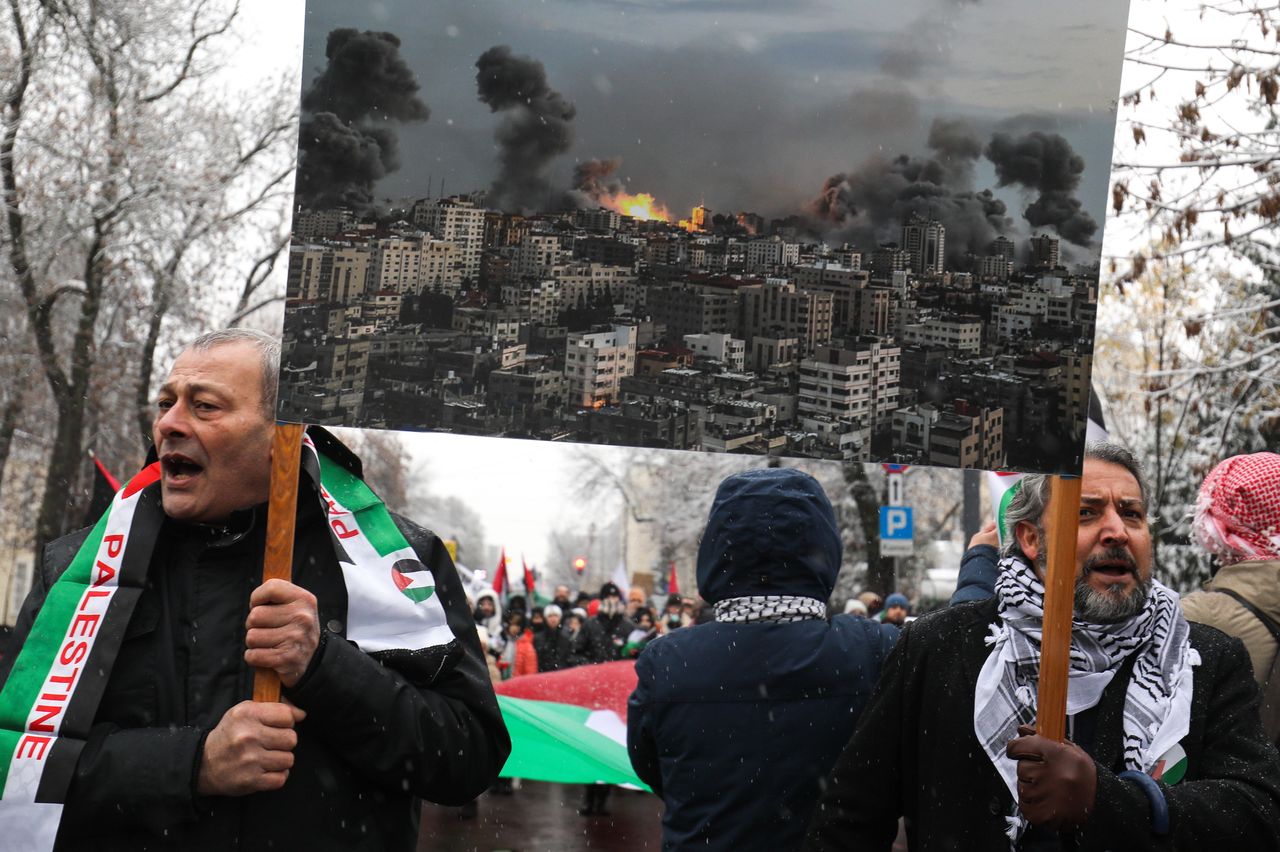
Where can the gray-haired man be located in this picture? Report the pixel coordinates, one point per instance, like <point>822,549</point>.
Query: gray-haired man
<point>165,749</point>
<point>1165,749</point>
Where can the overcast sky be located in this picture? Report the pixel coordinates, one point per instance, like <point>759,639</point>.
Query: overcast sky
<point>749,104</point>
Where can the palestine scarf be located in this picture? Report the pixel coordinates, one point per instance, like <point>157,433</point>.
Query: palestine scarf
<point>1157,709</point>
<point>769,608</point>
<point>49,702</point>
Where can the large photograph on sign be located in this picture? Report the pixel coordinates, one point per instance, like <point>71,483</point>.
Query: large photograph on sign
<point>849,230</point>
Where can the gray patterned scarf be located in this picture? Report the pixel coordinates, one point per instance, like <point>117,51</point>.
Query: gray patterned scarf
<point>775,608</point>
<point>1157,710</point>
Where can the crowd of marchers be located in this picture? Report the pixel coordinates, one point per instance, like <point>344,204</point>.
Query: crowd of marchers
<point>575,630</point>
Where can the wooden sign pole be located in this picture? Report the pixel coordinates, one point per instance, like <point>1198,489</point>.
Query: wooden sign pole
<point>282,508</point>
<point>1059,596</point>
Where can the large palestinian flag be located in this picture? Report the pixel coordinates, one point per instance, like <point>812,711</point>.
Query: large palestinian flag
<point>570,726</point>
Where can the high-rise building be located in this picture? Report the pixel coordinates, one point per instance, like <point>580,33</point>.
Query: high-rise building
<point>859,384</point>
<point>925,241</point>
<point>887,259</point>
<point>779,309</point>
<point>397,265</point>
<point>458,221</point>
<point>328,273</point>
<point>595,364</point>
<point>1002,246</point>
<point>692,309</point>
<point>1045,252</point>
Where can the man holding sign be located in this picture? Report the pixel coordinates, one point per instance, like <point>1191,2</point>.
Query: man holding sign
<point>129,701</point>
<point>1164,747</point>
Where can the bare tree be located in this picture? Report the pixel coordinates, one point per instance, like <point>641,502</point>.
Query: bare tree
<point>129,178</point>
<point>1189,337</point>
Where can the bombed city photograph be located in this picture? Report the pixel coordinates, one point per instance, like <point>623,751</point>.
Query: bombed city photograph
<point>860,234</point>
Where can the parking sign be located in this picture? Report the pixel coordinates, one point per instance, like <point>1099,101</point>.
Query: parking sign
<point>896,531</point>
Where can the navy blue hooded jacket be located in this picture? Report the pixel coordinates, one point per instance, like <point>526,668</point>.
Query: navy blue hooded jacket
<point>734,725</point>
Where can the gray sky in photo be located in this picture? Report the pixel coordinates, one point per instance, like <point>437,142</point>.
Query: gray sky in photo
<point>746,104</point>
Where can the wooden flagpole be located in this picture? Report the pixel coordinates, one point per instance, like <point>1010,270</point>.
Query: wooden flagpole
<point>282,508</point>
<point>1059,595</point>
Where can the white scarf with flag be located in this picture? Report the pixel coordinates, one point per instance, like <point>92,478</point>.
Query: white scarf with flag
<point>1157,709</point>
<point>50,699</point>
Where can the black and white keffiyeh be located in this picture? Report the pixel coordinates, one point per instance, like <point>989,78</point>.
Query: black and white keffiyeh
<point>1157,711</point>
<point>775,608</point>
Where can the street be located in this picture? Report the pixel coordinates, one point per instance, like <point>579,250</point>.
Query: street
<point>543,816</point>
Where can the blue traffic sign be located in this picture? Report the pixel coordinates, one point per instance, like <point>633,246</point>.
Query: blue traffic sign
<point>895,523</point>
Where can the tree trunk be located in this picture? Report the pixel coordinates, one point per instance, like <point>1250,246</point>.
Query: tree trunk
<point>879,569</point>
<point>9,425</point>
<point>71,397</point>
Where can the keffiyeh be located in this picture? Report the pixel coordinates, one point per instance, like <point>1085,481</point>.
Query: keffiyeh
<point>1237,515</point>
<point>1157,712</point>
<point>776,608</point>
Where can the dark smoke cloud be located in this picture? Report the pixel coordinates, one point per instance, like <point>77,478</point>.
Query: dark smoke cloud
<point>339,163</point>
<point>1062,211</point>
<point>955,140</point>
<point>835,201</point>
<point>868,205</point>
<point>346,142</point>
<point>537,128</point>
<point>1047,164</point>
<point>365,77</point>
<point>594,181</point>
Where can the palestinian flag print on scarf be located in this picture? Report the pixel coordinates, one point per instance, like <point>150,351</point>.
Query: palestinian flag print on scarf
<point>52,694</point>
<point>51,697</point>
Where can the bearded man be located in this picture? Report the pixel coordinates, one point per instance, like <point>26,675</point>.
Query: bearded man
<point>1164,750</point>
<point>141,636</point>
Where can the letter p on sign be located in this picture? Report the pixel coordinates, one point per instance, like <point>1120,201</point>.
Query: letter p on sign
<point>895,531</point>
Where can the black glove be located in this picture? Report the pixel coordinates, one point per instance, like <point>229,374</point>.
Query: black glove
<point>1057,782</point>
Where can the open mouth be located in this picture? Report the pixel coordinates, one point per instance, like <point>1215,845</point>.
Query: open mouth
<point>1112,565</point>
<point>179,468</point>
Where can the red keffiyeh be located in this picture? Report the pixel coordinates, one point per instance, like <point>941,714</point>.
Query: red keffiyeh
<point>1237,516</point>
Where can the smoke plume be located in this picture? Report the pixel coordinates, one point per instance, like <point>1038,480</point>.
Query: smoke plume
<point>347,141</point>
<point>594,181</point>
<point>1045,163</point>
<point>867,205</point>
<point>536,130</point>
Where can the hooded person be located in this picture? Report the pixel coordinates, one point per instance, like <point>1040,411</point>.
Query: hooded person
<point>611,628</point>
<point>734,722</point>
<point>488,614</point>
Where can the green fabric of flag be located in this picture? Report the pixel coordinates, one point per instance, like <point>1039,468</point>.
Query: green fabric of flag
<point>552,742</point>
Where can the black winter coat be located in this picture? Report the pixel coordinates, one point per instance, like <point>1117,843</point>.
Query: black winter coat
<point>734,725</point>
<point>377,734</point>
<point>915,754</point>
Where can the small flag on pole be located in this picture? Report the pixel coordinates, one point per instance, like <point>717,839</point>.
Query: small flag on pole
<point>530,585</point>
<point>501,585</point>
<point>673,584</point>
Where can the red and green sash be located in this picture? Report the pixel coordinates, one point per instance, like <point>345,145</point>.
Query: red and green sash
<point>49,702</point>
